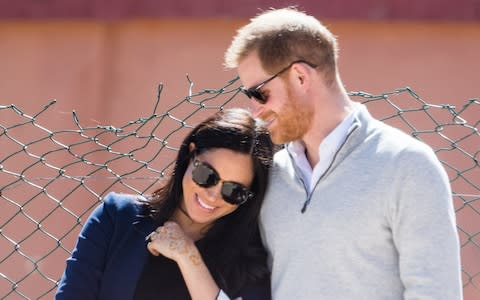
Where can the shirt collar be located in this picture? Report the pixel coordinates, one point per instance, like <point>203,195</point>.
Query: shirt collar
<point>330,144</point>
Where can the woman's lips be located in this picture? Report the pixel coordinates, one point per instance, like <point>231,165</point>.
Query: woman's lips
<point>204,205</point>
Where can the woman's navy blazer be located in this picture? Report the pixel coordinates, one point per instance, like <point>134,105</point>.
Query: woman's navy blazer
<point>110,253</point>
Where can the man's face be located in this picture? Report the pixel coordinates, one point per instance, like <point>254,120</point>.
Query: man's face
<point>286,115</point>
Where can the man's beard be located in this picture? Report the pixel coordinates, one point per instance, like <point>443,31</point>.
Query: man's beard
<point>293,121</point>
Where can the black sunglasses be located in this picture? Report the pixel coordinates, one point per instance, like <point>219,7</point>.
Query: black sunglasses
<point>206,176</point>
<point>255,93</point>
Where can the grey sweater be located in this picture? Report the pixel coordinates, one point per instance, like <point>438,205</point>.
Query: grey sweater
<point>379,223</point>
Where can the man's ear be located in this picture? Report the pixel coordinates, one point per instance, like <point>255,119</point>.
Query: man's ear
<point>302,74</point>
<point>191,147</point>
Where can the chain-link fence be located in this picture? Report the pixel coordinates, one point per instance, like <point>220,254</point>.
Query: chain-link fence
<point>50,180</point>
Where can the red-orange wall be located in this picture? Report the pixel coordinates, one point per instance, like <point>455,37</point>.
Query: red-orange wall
<point>109,71</point>
<point>102,68</point>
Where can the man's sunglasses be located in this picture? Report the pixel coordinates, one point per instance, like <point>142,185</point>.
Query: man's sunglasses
<point>255,93</point>
<point>206,176</point>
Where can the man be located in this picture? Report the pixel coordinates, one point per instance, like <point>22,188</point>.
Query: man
<point>356,209</point>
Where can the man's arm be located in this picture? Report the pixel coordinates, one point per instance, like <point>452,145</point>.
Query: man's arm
<point>424,229</point>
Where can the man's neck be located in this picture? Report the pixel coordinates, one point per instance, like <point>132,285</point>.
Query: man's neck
<point>321,128</point>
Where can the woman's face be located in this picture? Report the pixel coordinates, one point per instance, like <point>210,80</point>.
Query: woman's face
<point>205,205</point>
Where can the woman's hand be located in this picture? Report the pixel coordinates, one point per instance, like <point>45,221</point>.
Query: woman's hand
<point>170,241</point>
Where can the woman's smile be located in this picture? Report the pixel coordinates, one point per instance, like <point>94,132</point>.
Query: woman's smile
<point>204,205</point>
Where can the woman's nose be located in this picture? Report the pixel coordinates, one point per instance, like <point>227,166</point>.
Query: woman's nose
<point>214,193</point>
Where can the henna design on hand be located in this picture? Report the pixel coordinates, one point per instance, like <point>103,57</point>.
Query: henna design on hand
<point>195,259</point>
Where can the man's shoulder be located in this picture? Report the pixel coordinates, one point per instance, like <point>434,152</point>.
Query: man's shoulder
<point>387,134</point>
<point>408,152</point>
<point>405,141</point>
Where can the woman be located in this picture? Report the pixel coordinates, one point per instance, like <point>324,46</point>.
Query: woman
<point>194,238</point>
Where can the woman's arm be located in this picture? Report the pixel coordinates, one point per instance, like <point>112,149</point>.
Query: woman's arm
<point>82,276</point>
<point>170,241</point>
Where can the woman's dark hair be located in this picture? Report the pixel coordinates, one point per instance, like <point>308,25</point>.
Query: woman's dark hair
<point>232,248</point>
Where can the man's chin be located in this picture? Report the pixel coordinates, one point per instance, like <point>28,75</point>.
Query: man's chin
<point>277,139</point>
<point>278,135</point>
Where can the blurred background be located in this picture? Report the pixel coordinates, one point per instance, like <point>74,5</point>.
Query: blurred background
<point>105,59</point>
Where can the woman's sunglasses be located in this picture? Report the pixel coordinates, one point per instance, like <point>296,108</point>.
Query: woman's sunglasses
<point>206,176</point>
<point>255,93</point>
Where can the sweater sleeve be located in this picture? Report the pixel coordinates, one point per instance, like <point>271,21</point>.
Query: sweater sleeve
<point>424,228</point>
<point>84,269</point>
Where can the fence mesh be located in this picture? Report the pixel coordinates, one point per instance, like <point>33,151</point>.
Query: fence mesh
<point>50,180</point>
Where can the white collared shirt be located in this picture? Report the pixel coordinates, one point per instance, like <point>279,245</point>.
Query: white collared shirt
<point>327,149</point>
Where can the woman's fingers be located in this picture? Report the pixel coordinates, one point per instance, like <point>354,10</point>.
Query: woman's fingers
<point>151,249</point>
<point>168,240</point>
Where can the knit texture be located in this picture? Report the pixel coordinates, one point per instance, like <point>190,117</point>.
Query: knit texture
<point>379,224</point>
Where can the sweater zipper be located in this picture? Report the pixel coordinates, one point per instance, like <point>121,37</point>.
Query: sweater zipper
<point>309,195</point>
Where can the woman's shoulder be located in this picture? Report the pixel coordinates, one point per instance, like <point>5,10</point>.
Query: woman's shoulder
<point>120,202</point>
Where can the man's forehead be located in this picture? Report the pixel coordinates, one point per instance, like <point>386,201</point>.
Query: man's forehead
<point>250,70</point>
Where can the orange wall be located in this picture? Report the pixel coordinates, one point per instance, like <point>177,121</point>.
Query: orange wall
<point>109,71</point>
<point>101,69</point>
